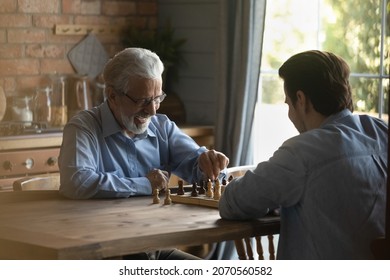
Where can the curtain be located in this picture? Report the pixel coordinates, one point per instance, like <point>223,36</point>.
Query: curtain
<point>241,30</point>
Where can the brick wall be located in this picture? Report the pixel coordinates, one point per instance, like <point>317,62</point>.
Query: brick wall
<point>29,48</point>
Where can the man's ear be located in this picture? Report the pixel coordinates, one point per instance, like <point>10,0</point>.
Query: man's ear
<point>301,99</point>
<point>304,102</point>
<point>110,93</point>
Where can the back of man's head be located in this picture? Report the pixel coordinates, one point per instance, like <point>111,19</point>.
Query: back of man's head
<point>322,76</point>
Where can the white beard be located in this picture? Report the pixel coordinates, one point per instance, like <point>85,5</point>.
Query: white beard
<point>129,124</point>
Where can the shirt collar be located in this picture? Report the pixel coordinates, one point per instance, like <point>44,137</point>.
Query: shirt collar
<point>110,125</point>
<point>333,118</point>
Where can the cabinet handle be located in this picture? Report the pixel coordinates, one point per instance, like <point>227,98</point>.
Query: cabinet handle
<point>7,165</point>
<point>52,161</point>
<point>29,163</point>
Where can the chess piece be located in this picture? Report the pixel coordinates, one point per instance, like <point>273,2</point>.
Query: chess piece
<point>223,187</point>
<point>202,190</point>
<point>167,200</point>
<point>156,199</point>
<point>217,190</point>
<point>194,192</point>
<point>209,192</point>
<point>180,189</point>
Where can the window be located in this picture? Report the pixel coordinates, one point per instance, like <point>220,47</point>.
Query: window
<point>355,31</point>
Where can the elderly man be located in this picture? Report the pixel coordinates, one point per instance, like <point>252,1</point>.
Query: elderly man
<point>122,148</point>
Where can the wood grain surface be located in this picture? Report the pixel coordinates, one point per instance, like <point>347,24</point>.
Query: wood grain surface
<point>44,225</point>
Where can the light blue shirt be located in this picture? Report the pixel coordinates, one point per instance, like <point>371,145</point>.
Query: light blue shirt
<point>97,160</point>
<point>330,183</point>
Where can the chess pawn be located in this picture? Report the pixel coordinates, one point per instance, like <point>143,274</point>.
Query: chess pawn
<point>180,189</point>
<point>167,199</point>
<point>156,199</point>
<point>209,192</point>
<point>217,190</point>
<point>194,192</point>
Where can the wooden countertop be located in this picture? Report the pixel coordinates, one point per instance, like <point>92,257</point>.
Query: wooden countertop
<point>44,225</point>
<point>34,141</point>
<point>47,140</point>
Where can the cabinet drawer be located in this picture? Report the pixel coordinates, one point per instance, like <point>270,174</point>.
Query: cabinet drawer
<point>14,163</point>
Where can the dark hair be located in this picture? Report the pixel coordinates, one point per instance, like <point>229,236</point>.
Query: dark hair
<point>322,76</point>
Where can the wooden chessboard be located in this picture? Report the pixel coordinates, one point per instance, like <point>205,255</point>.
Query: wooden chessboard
<point>201,200</point>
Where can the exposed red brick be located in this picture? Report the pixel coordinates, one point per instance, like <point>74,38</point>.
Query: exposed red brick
<point>2,36</point>
<point>26,35</point>
<point>9,84</point>
<point>48,21</point>
<point>48,51</point>
<point>18,20</point>
<point>52,66</point>
<point>10,67</point>
<point>84,7</point>
<point>8,6</point>
<point>71,6</point>
<point>119,8</point>
<point>11,51</point>
<point>81,7</point>
<point>91,7</point>
<point>39,6</point>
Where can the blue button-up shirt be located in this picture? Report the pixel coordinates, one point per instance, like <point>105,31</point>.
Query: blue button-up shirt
<point>330,183</point>
<point>98,160</point>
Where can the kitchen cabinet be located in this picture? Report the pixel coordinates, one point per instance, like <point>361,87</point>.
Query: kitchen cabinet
<point>23,155</point>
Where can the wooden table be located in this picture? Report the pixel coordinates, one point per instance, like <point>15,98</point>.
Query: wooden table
<point>44,225</point>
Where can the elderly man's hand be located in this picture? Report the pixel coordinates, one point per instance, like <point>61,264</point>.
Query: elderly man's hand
<point>158,179</point>
<point>211,163</point>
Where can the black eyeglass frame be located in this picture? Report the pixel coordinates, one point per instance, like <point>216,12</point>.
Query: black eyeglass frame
<point>144,102</point>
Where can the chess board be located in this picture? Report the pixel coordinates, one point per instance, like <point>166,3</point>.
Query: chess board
<point>201,200</point>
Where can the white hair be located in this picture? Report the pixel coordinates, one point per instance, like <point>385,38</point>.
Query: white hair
<point>132,62</point>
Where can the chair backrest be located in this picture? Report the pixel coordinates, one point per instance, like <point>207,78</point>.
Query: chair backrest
<point>244,246</point>
<point>38,182</point>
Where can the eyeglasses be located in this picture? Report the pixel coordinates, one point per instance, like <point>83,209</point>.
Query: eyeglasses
<point>143,102</point>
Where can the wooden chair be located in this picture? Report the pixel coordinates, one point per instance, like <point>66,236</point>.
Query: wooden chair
<point>244,246</point>
<point>49,181</point>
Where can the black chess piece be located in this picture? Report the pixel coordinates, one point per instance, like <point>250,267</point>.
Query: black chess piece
<point>180,189</point>
<point>202,189</point>
<point>194,189</point>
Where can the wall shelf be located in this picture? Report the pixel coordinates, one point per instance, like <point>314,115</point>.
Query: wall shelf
<point>80,29</point>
